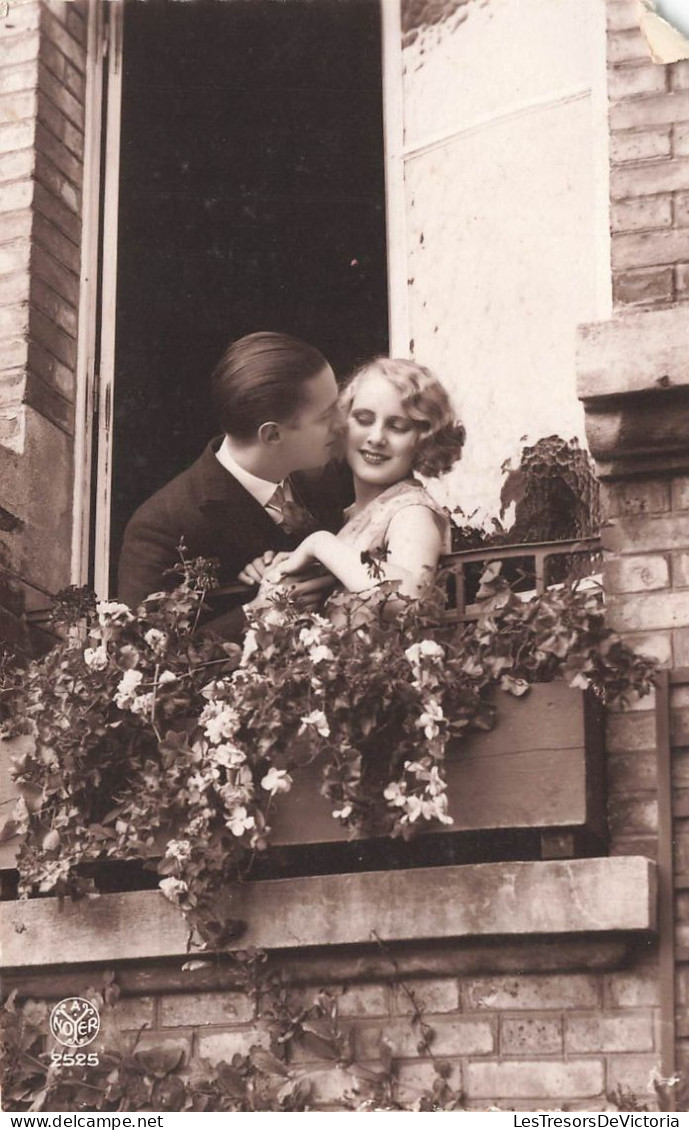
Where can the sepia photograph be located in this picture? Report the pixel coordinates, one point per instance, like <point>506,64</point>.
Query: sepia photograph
<point>344,559</point>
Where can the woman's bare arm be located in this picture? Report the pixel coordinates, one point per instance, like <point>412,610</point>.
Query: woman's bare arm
<point>414,545</point>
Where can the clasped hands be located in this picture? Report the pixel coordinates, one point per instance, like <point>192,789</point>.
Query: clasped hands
<point>300,571</point>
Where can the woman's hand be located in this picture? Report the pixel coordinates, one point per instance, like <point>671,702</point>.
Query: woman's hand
<point>254,572</point>
<point>296,562</point>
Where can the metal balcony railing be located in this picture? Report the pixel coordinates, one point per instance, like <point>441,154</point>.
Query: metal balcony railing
<point>530,567</point>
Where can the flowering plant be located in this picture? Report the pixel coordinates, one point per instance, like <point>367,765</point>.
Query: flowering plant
<point>150,742</point>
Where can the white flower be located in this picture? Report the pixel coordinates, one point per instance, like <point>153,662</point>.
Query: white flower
<point>273,617</point>
<point>167,677</point>
<point>142,704</point>
<point>342,813</point>
<point>276,781</point>
<point>199,783</point>
<point>436,785</point>
<point>96,658</point>
<point>126,688</point>
<point>311,636</point>
<point>416,767</point>
<point>441,810</point>
<point>413,807</point>
<point>250,646</point>
<point>429,719</point>
<point>318,719</point>
<point>428,649</point>
<point>239,789</point>
<point>178,849</point>
<point>172,888</point>
<point>228,755</point>
<point>239,821</point>
<point>396,793</point>
<point>156,640</point>
<point>321,654</point>
<point>112,612</point>
<point>426,809</point>
<point>220,720</point>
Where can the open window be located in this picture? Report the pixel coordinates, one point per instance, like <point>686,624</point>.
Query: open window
<point>244,189</point>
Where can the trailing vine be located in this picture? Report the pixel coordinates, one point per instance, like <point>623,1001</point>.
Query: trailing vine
<point>131,1076</point>
<point>146,742</point>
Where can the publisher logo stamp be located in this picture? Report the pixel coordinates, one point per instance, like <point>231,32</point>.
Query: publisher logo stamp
<point>74,1022</point>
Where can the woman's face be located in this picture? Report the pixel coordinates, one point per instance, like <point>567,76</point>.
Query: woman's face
<point>381,439</point>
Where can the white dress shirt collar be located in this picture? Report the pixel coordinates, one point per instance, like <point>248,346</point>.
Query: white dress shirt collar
<point>260,489</point>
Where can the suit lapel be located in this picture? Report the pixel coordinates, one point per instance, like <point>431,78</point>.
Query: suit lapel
<point>242,527</point>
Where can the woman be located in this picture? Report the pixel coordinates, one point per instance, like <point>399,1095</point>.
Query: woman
<point>398,420</point>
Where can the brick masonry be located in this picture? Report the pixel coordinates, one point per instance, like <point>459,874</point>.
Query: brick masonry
<point>519,1041</point>
<point>42,97</point>
<point>646,578</point>
<point>649,171</point>
<point>646,534</point>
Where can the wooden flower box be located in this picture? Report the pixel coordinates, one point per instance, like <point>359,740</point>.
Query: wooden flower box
<point>540,770</point>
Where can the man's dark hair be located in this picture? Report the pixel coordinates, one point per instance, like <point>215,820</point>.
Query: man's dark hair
<point>261,377</point>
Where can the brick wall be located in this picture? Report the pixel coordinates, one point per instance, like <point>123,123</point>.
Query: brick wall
<point>544,1039</point>
<point>646,574</point>
<point>42,92</point>
<point>649,151</point>
<point>648,589</point>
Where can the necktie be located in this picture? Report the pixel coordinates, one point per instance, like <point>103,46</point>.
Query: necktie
<point>288,512</point>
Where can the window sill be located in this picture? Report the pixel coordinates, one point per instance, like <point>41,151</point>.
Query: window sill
<point>592,897</point>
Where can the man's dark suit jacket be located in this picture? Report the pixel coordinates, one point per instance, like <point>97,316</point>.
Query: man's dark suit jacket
<point>210,511</point>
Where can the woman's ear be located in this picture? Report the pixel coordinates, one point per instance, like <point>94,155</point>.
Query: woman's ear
<point>270,433</point>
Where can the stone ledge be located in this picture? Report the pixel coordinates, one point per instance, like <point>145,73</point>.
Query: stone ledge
<point>444,958</point>
<point>573,897</point>
<point>633,379</point>
<point>634,353</point>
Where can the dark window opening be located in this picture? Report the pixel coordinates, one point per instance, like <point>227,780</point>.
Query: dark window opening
<point>251,197</point>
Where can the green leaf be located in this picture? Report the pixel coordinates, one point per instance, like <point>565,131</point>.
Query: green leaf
<point>159,1061</point>
<point>265,1061</point>
<point>8,829</point>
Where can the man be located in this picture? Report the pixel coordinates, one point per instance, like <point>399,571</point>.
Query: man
<point>276,400</point>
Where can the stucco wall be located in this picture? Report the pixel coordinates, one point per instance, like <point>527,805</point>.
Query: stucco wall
<point>505,143</point>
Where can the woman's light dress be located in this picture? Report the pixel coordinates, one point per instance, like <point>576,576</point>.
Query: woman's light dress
<point>367,529</point>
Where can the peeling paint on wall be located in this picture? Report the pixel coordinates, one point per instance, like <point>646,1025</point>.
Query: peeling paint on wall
<point>418,15</point>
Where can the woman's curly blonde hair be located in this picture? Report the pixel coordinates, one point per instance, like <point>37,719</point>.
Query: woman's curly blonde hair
<point>426,402</point>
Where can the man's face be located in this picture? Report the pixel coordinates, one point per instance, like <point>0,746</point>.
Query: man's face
<point>308,438</point>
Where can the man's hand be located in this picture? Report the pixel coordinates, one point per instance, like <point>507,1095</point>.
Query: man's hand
<point>312,591</point>
<point>307,591</point>
<point>255,571</point>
